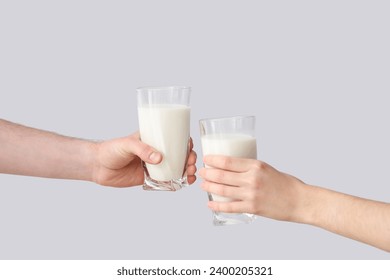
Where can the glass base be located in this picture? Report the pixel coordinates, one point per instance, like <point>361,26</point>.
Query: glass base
<point>172,185</point>
<point>225,219</point>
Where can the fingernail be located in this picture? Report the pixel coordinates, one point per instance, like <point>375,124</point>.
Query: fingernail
<point>154,156</point>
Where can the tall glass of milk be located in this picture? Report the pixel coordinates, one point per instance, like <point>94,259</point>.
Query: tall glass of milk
<point>164,124</point>
<point>231,136</point>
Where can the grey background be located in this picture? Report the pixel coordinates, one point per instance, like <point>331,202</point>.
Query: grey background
<point>315,74</point>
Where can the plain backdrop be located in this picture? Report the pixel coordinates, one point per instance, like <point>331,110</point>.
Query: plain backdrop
<point>314,73</point>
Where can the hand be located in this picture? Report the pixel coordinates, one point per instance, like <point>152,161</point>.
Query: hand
<point>260,189</point>
<point>254,186</point>
<point>118,162</point>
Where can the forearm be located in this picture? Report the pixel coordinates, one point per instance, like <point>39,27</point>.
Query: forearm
<point>33,152</point>
<point>360,219</point>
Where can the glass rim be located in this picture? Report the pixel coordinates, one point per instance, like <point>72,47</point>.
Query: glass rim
<point>227,118</point>
<point>163,88</point>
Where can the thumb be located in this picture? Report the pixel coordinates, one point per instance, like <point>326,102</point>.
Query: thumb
<point>145,152</point>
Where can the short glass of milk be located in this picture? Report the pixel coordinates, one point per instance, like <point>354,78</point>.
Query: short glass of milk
<point>231,136</point>
<point>164,124</point>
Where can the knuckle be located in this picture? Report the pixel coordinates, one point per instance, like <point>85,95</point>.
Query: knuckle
<point>257,182</point>
<point>223,190</point>
<point>259,165</point>
<point>191,169</point>
<point>228,208</point>
<point>219,175</point>
<point>192,158</point>
<point>207,186</point>
<point>206,174</point>
<point>253,181</point>
<point>218,208</point>
<point>145,151</point>
<point>227,162</point>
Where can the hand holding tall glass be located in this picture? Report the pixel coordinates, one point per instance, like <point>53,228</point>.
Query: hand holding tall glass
<point>164,123</point>
<point>232,136</point>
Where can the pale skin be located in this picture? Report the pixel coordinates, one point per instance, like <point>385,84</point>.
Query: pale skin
<point>255,186</point>
<point>260,189</point>
<point>116,163</point>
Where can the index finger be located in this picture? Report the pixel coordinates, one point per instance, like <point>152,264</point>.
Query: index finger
<point>228,163</point>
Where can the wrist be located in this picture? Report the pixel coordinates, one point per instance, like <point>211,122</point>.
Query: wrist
<point>306,204</point>
<point>93,164</point>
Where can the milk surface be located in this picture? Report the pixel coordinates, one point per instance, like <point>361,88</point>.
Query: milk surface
<point>235,145</point>
<point>167,129</point>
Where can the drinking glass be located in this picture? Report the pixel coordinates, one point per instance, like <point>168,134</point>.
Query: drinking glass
<point>164,123</point>
<point>230,136</point>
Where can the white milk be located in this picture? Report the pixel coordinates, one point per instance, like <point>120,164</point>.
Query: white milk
<point>235,145</point>
<point>167,129</point>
